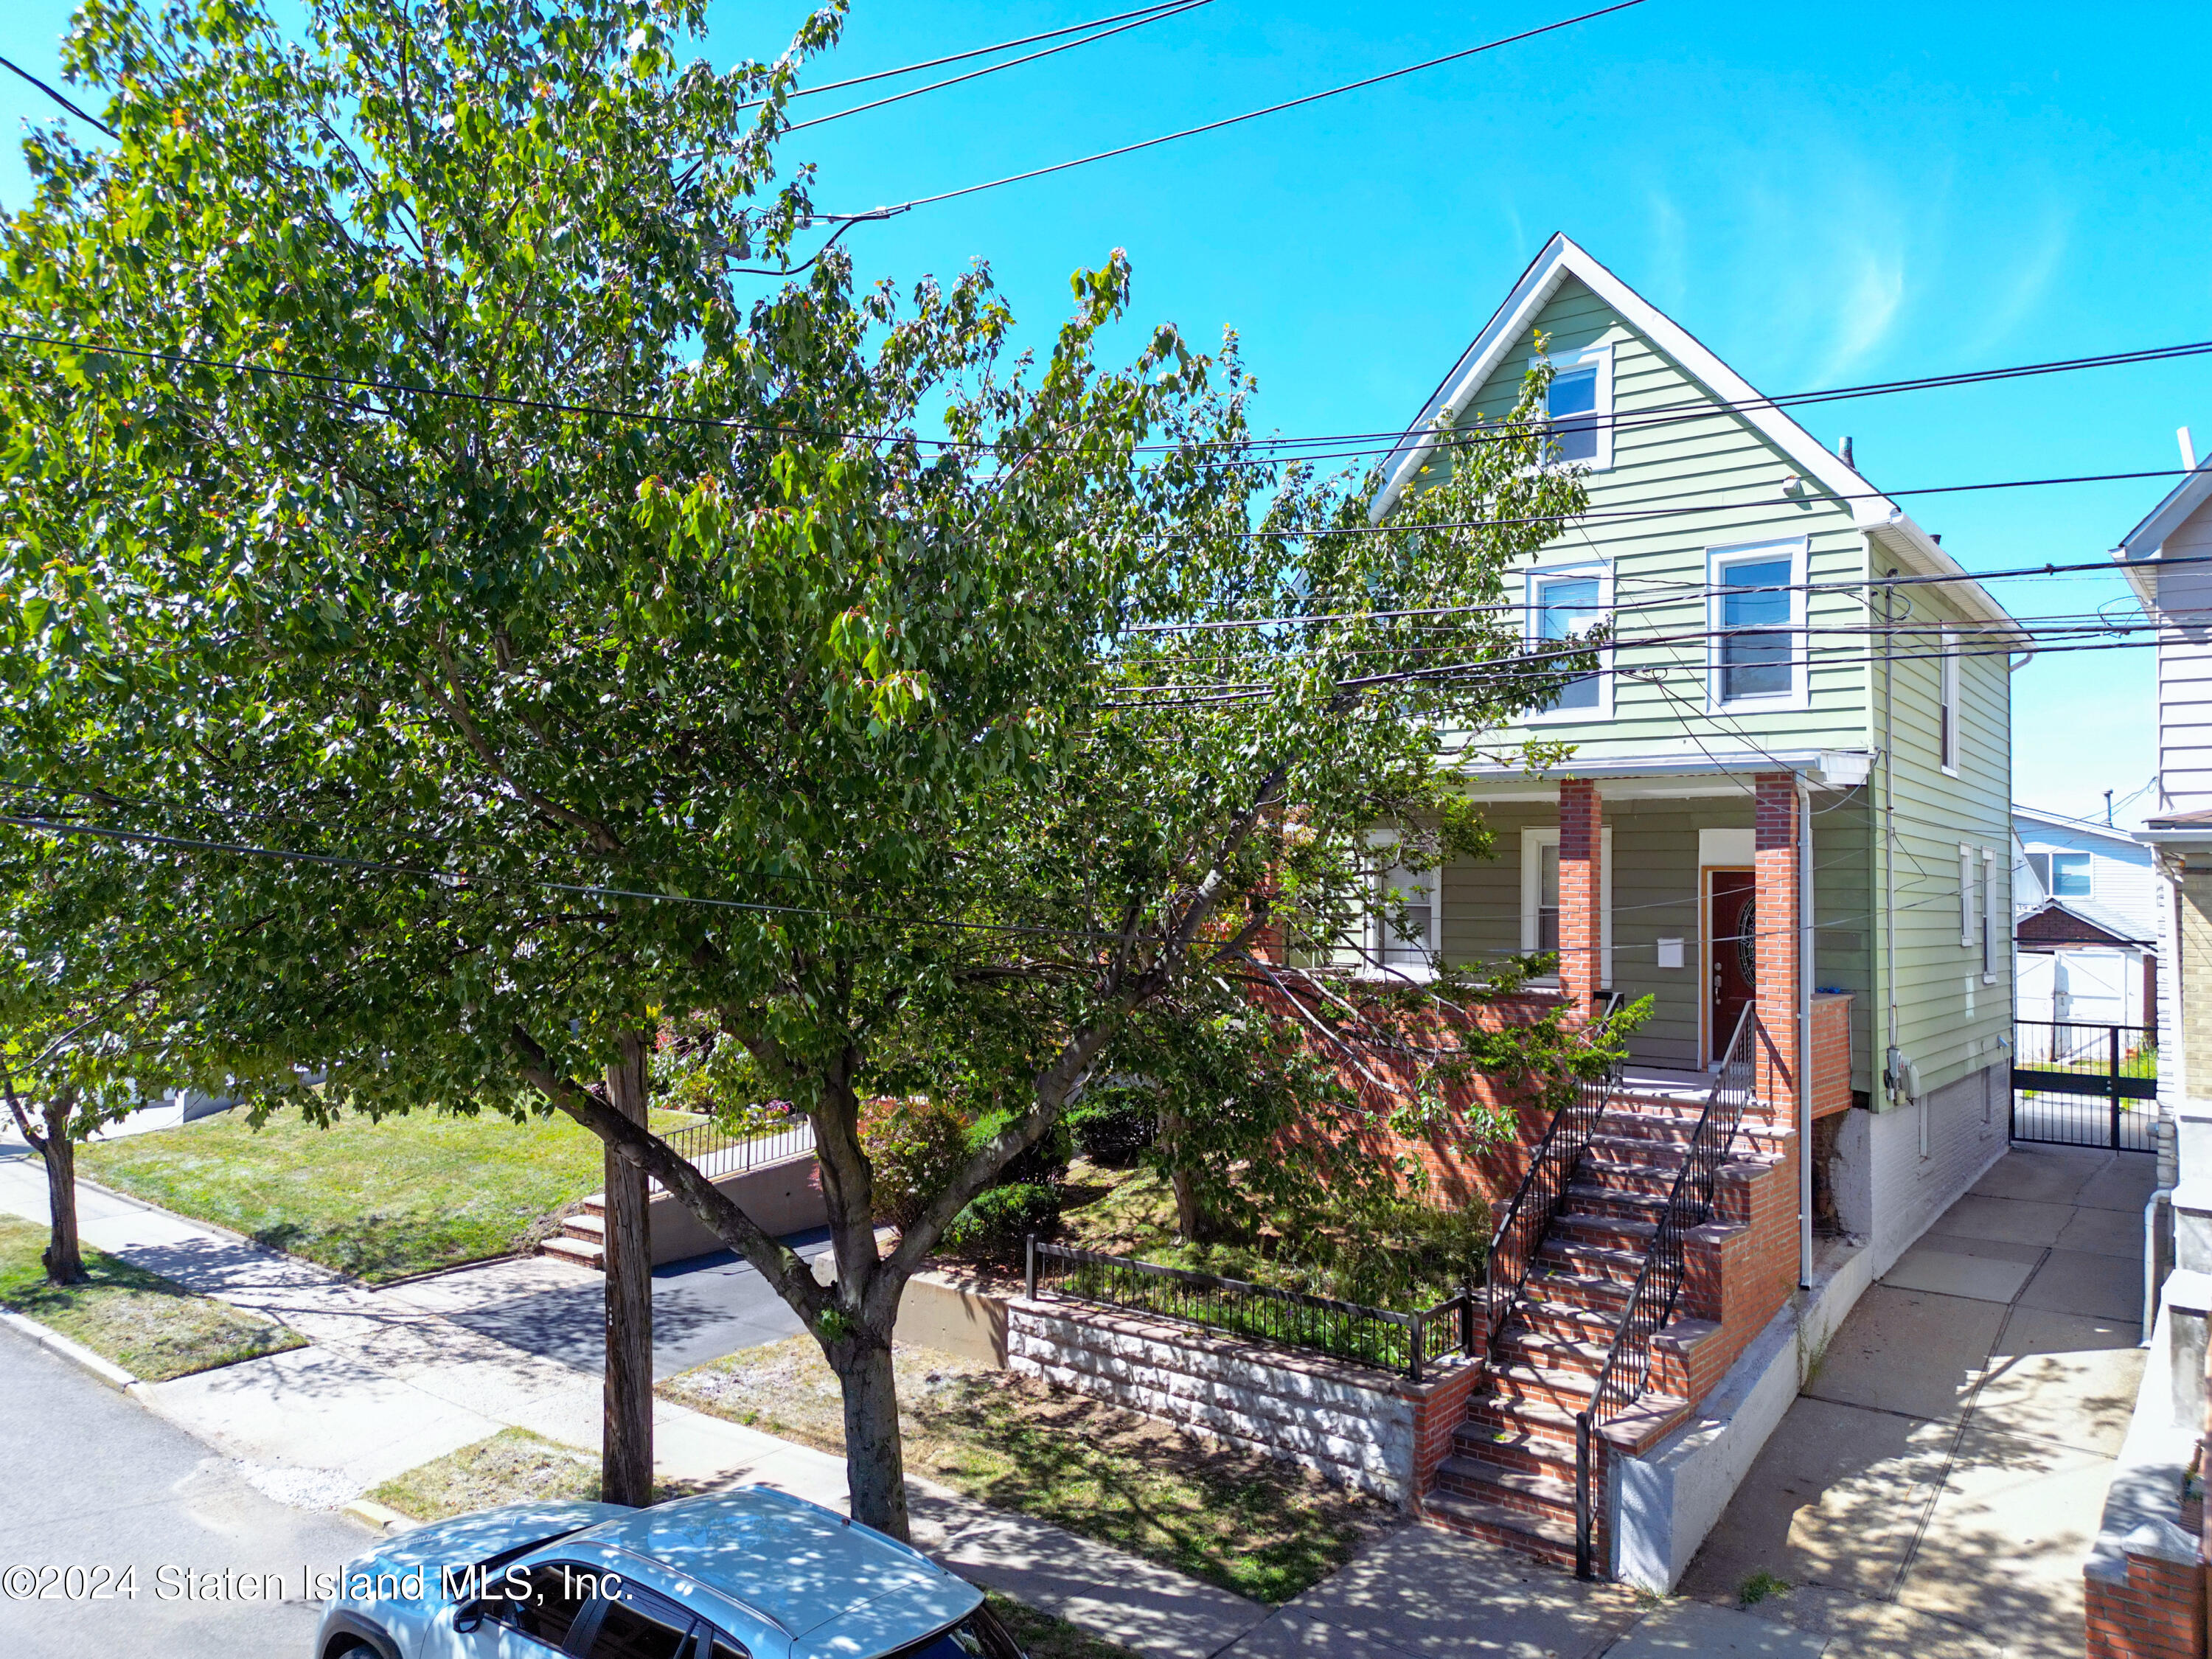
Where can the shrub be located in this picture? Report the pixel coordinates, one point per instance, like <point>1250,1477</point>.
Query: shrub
<point>915,1145</point>
<point>1114,1133</point>
<point>1044,1163</point>
<point>998,1221</point>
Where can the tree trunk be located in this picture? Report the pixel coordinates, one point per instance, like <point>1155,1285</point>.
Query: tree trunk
<point>1190,1215</point>
<point>64,1259</point>
<point>875,1462</point>
<point>626,1445</point>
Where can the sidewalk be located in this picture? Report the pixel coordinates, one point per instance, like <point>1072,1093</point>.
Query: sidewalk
<point>1936,1486</point>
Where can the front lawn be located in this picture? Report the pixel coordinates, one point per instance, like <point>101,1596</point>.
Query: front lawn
<point>152,1327</point>
<point>379,1200</point>
<point>1245,1522</point>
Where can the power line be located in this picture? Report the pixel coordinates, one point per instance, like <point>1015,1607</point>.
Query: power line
<point>981,51</point>
<point>1154,15</point>
<point>1249,115</point>
<point>94,120</point>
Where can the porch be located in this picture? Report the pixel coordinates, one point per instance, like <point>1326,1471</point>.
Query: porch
<point>1707,893</point>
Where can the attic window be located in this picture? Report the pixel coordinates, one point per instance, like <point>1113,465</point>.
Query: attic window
<point>1579,404</point>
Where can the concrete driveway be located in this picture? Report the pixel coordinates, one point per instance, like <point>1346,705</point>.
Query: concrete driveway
<point>1935,1488</point>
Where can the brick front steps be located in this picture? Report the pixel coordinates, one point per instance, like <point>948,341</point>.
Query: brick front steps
<point>1509,1476</point>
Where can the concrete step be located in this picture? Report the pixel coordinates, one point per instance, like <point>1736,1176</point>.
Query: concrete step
<point>1541,1313</point>
<point>1584,1258</point>
<point>576,1250</point>
<point>1590,1198</point>
<point>591,1228</point>
<point>1583,1354</point>
<point>1605,1294</point>
<point>1523,1381</point>
<point>1541,1537</point>
<point>1608,1231</point>
<point>1651,1177</point>
<point>1518,1446</point>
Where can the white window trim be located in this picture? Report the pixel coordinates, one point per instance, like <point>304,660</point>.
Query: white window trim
<point>1718,559</point>
<point>2056,854</point>
<point>1947,701</point>
<point>1968,885</point>
<point>1531,895</point>
<point>1600,358</point>
<point>1989,916</point>
<point>1536,577</point>
<point>1383,845</point>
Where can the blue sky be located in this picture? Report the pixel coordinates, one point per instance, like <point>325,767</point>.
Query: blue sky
<point>1823,195</point>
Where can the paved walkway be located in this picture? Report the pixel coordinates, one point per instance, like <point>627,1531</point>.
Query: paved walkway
<point>1935,1488</point>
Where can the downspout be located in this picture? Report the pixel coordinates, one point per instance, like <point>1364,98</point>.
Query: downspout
<point>1805,958</point>
<point>1889,847</point>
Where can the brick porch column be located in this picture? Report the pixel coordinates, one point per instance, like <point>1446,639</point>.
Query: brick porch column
<point>1582,892</point>
<point>1775,857</point>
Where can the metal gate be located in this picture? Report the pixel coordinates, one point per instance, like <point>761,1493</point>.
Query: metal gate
<point>2085,1085</point>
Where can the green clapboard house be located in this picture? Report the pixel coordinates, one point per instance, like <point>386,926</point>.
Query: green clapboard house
<point>1789,794</point>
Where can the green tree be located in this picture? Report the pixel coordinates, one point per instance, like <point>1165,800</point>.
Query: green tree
<point>583,644</point>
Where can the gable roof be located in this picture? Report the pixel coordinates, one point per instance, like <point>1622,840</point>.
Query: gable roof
<point>2074,922</point>
<point>1916,552</point>
<point>2139,548</point>
<point>2075,826</point>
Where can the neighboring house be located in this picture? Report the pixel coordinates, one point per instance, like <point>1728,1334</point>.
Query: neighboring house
<point>2146,1565</point>
<point>1789,793</point>
<point>2085,904</point>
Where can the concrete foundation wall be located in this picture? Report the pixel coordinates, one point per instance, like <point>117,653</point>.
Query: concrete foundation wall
<point>1361,1427</point>
<point>783,1198</point>
<point>1666,1501</point>
<point>953,1316</point>
<point>1899,1190</point>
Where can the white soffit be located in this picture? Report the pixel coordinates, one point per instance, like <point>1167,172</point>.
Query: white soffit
<point>2140,548</point>
<point>1882,520</point>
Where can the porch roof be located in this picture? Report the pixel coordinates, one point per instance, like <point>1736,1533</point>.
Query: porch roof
<point>1710,771</point>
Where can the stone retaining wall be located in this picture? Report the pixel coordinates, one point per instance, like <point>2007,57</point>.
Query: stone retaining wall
<point>1362,1427</point>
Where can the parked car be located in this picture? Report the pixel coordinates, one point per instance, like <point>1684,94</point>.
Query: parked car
<point>753,1574</point>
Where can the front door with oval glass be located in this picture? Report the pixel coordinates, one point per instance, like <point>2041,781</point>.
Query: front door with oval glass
<point>1731,953</point>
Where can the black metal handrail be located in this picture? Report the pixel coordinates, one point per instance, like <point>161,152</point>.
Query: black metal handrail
<point>1627,1368</point>
<point>1344,1330</point>
<point>1536,1202</point>
<point>715,1152</point>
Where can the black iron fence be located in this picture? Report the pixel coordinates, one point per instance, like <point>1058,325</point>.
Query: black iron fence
<point>1514,1246</point>
<point>1407,1342</point>
<point>1627,1368</point>
<point>2075,1085</point>
<point>715,1152</point>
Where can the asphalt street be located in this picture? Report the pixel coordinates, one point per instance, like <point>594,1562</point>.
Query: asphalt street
<point>702,1308</point>
<point>91,1479</point>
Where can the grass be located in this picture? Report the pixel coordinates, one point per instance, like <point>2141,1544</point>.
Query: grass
<point>379,1200</point>
<point>152,1327</point>
<point>1760,1586</point>
<point>1245,1522</point>
<point>513,1466</point>
<point>517,1466</point>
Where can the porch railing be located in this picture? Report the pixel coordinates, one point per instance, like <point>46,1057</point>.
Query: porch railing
<point>1627,1368</point>
<point>715,1152</point>
<point>1407,1342</point>
<point>1513,1247</point>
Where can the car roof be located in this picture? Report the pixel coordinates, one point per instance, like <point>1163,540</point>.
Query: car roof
<point>835,1587</point>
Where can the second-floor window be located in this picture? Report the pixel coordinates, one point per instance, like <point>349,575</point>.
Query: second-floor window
<point>1755,606</point>
<point>2062,875</point>
<point>1564,607</point>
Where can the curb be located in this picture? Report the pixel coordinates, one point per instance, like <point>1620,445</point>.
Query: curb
<point>105,1370</point>
<point>377,1516</point>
